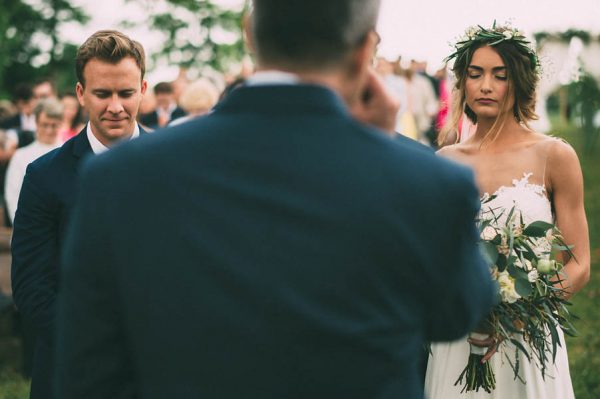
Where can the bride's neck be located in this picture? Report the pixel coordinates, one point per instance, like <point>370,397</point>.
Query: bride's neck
<point>508,134</point>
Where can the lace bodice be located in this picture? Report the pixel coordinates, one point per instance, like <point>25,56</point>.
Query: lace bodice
<point>529,199</point>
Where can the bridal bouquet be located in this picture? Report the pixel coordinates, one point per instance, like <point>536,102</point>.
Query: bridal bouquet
<point>532,306</point>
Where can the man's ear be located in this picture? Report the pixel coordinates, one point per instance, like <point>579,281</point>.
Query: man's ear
<point>79,90</point>
<point>365,53</point>
<point>247,30</point>
<point>144,86</point>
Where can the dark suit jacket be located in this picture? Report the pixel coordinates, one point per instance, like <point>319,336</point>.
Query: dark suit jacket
<point>303,255</point>
<point>45,202</point>
<point>150,119</point>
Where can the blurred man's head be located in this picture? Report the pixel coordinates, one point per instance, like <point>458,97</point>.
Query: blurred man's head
<point>48,118</point>
<point>110,68</point>
<point>311,35</point>
<point>44,89</point>
<point>164,95</point>
<point>23,99</point>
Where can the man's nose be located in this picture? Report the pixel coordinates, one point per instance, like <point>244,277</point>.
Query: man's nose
<point>115,105</point>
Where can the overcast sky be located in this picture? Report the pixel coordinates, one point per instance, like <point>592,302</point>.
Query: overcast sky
<point>419,29</point>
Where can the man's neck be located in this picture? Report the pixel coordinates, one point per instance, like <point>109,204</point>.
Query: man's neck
<point>334,80</point>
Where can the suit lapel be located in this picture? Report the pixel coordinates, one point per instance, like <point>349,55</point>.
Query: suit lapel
<point>82,147</point>
<point>81,144</point>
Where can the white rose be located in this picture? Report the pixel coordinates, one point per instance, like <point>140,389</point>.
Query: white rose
<point>472,31</point>
<point>533,276</point>
<point>507,288</point>
<point>488,233</point>
<point>508,34</point>
<point>525,264</point>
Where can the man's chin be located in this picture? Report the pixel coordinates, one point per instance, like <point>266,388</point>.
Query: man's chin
<point>118,132</point>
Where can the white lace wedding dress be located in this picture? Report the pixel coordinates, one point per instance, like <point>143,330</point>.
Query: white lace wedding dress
<point>447,360</point>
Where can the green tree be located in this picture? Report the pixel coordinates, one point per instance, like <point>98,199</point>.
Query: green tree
<point>198,34</point>
<point>585,97</point>
<point>30,45</point>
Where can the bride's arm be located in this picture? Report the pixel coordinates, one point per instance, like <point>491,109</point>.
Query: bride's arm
<point>566,183</point>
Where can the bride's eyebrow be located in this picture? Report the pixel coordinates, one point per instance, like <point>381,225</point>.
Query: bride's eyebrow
<point>494,69</point>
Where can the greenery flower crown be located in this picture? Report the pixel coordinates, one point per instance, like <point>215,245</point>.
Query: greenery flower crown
<point>477,35</point>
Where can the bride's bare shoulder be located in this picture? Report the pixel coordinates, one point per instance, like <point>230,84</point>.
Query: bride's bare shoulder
<point>455,151</point>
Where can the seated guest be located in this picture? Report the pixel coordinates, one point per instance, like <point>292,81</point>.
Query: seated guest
<point>166,108</point>
<point>48,117</point>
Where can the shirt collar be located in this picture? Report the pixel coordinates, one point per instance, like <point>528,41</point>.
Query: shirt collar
<point>97,146</point>
<point>272,77</point>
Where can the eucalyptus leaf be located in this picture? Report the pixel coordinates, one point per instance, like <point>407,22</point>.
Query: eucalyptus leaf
<point>489,252</point>
<point>537,229</point>
<point>523,287</point>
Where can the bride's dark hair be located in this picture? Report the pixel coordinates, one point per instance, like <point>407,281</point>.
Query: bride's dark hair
<point>523,76</point>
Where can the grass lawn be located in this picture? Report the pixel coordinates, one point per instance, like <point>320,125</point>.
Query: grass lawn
<point>584,350</point>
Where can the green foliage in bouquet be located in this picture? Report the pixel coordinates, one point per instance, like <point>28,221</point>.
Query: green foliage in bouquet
<point>532,301</point>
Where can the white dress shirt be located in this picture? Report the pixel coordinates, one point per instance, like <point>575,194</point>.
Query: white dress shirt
<point>97,146</point>
<point>272,77</point>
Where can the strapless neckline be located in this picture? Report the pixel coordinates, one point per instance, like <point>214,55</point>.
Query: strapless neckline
<point>529,199</point>
<point>522,183</point>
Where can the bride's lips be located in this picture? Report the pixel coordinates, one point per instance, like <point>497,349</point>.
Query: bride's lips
<point>486,101</point>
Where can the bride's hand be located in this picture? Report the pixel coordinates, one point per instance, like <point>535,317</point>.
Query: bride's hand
<point>491,343</point>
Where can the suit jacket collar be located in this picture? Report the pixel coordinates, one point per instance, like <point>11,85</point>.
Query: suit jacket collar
<point>81,144</point>
<point>287,99</point>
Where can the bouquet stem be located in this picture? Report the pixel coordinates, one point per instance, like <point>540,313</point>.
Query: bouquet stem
<point>477,375</point>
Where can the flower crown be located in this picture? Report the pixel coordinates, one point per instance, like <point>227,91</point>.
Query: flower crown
<point>475,35</point>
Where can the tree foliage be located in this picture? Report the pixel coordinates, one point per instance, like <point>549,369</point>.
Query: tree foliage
<point>30,44</point>
<point>199,34</point>
<point>584,95</point>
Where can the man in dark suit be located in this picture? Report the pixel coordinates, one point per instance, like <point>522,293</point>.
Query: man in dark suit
<point>303,253</point>
<point>166,107</point>
<point>110,70</point>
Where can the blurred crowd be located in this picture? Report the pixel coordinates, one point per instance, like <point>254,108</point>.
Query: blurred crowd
<point>39,119</point>
<point>424,98</point>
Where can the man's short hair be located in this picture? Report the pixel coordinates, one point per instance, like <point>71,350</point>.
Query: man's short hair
<point>310,34</point>
<point>23,92</point>
<point>163,88</point>
<point>109,46</point>
<point>52,107</point>
<point>41,81</point>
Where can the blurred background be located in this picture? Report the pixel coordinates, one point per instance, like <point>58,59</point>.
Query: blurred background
<point>197,45</point>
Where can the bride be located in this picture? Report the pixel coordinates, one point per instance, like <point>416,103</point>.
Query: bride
<point>496,78</point>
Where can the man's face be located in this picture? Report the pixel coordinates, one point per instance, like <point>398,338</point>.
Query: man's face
<point>25,106</point>
<point>112,95</point>
<point>47,128</point>
<point>164,100</point>
<point>43,90</point>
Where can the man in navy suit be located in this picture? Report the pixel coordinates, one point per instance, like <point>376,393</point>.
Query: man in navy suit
<point>299,251</point>
<point>110,70</point>
<point>166,109</point>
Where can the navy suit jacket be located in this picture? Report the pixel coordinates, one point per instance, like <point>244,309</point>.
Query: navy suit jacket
<point>45,202</point>
<point>303,255</point>
<point>151,118</point>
